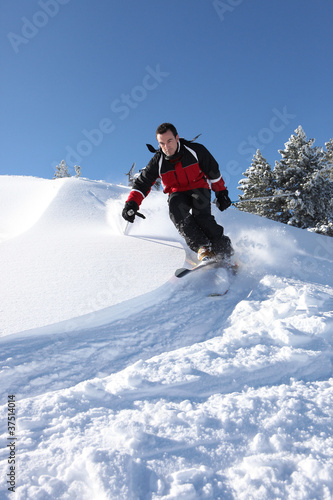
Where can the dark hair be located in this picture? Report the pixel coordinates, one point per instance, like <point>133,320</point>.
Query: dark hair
<point>164,127</point>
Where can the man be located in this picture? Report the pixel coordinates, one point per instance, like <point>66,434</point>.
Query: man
<point>186,169</point>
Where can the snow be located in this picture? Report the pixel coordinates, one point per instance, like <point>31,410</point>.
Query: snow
<point>132,384</point>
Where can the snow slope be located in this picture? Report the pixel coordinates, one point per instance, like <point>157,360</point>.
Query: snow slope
<point>132,384</point>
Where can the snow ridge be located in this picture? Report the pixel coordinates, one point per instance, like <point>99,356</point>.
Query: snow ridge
<point>133,384</point>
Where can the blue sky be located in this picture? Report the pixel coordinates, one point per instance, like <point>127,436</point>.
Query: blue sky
<point>89,81</point>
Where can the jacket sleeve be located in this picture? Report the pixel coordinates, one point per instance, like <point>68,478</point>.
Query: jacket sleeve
<point>210,167</point>
<point>144,182</point>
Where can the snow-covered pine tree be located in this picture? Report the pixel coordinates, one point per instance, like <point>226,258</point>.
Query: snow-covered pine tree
<point>130,175</point>
<point>328,158</point>
<point>158,184</point>
<point>133,176</point>
<point>61,170</point>
<point>295,173</point>
<point>258,183</point>
<point>77,169</point>
<point>325,181</point>
<point>321,202</point>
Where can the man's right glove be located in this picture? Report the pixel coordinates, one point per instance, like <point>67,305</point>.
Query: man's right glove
<point>222,200</point>
<point>131,210</point>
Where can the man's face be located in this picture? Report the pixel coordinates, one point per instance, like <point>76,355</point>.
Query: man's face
<point>168,142</point>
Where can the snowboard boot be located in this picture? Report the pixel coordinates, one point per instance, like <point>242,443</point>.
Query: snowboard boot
<point>205,253</point>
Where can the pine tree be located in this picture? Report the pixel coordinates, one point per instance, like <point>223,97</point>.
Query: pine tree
<point>296,173</point>
<point>130,175</point>
<point>300,185</point>
<point>77,169</point>
<point>61,170</point>
<point>133,176</point>
<point>328,159</point>
<point>321,203</point>
<point>325,193</point>
<point>158,184</point>
<point>258,184</point>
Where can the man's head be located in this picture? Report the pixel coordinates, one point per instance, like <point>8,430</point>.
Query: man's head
<point>167,137</point>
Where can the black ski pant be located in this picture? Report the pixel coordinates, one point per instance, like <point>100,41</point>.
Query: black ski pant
<point>190,211</point>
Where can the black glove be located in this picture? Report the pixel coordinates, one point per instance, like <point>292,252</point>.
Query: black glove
<point>222,200</point>
<point>130,210</point>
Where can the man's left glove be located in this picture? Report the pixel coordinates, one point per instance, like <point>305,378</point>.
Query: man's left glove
<point>222,200</point>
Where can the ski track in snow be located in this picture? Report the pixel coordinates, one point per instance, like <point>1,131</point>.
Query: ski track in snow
<point>151,389</point>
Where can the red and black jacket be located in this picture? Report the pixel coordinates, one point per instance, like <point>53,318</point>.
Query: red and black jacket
<point>191,167</point>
